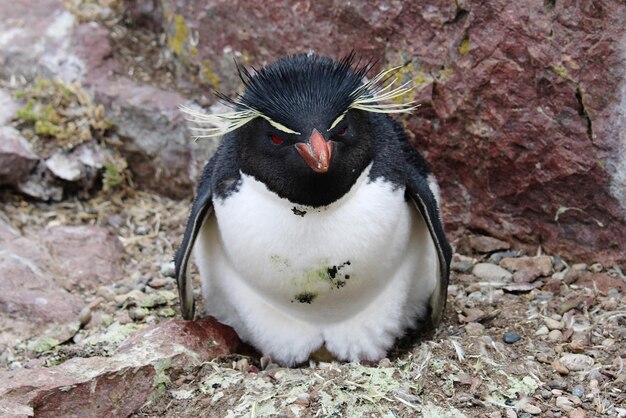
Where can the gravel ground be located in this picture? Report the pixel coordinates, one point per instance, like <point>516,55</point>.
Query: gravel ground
<point>520,338</point>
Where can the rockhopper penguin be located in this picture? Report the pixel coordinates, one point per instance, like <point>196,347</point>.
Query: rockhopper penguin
<point>316,224</point>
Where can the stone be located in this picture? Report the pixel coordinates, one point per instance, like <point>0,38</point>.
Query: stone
<point>462,266</point>
<point>475,329</point>
<point>8,107</point>
<point>64,167</point>
<point>553,324</point>
<point>555,335</point>
<point>533,267</point>
<point>17,158</point>
<point>560,368</point>
<point>483,244</point>
<point>557,384</point>
<point>564,403</point>
<point>519,287</point>
<point>491,272</point>
<point>596,268</point>
<point>578,391</point>
<point>577,413</point>
<point>157,283</point>
<point>543,330</point>
<point>577,362</point>
<point>118,385</point>
<point>167,269</point>
<point>531,409</point>
<point>511,337</point>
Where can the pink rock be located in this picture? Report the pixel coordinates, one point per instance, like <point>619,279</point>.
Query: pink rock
<point>86,257</point>
<point>484,244</point>
<point>527,269</point>
<point>117,385</point>
<point>601,281</point>
<point>41,276</point>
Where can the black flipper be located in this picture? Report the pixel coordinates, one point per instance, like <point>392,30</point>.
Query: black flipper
<point>202,207</point>
<point>419,192</point>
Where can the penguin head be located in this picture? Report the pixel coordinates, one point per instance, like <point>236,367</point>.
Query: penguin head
<point>304,125</point>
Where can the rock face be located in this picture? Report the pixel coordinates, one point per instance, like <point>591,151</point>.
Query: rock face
<point>521,112</point>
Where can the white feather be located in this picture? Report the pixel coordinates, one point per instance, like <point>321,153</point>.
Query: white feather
<point>256,256</point>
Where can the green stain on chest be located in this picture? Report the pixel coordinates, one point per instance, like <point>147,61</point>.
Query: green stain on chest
<point>320,279</point>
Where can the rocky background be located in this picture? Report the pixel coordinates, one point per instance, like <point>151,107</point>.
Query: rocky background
<point>522,116</point>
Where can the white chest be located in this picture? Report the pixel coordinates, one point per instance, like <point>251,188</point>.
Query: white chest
<point>306,259</point>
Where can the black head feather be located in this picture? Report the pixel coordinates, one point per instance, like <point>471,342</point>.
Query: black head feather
<point>302,91</point>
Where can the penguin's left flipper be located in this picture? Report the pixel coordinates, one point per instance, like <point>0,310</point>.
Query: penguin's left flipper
<point>201,209</point>
<point>423,197</point>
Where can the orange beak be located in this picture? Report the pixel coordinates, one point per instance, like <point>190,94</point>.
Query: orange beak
<point>316,152</point>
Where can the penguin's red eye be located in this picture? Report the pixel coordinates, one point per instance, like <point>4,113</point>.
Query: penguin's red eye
<point>276,139</point>
<point>341,132</point>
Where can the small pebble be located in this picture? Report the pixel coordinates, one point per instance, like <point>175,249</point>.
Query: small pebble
<point>510,413</point>
<point>462,266</point>
<point>79,337</point>
<point>491,272</point>
<point>115,221</point>
<point>595,375</point>
<point>560,368</point>
<point>137,314</point>
<point>553,324</point>
<point>558,264</point>
<point>152,300</point>
<point>546,394</point>
<point>557,384</point>
<point>121,289</point>
<point>579,266</point>
<point>133,294</point>
<point>106,292</point>
<point>511,337</point>
<point>531,409</point>
<point>577,362</point>
<point>577,413</point>
<point>526,415</point>
<point>596,268</point>
<point>453,289</point>
<point>578,391</point>
<point>543,330</point>
<point>167,312</point>
<point>168,269</point>
<point>385,362</point>
<point>555,335</point>
<point>475,329</point>
<point>495,258</point>
<point>476,297</point>
<point>158,282</point>
<point>564,403</point>
<point>84,316</point>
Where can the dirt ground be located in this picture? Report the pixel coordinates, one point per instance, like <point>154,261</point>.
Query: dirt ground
<point>465,369</point>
